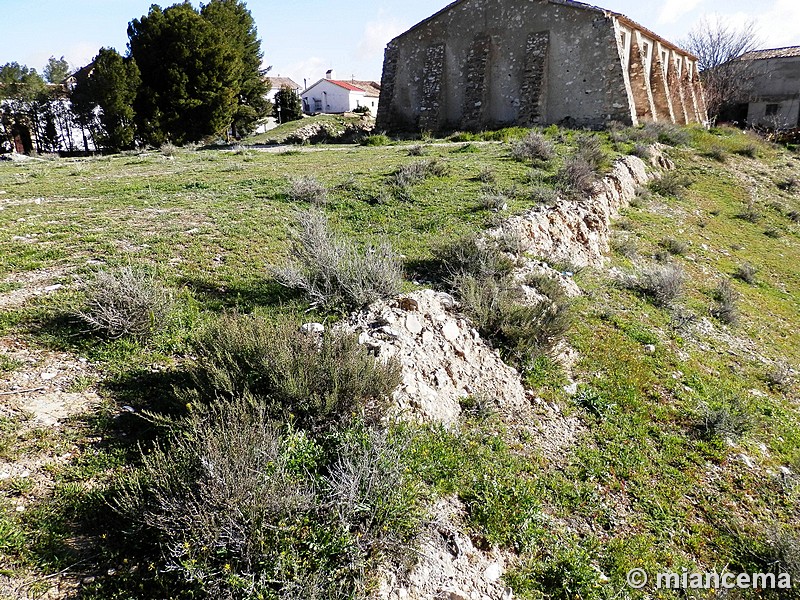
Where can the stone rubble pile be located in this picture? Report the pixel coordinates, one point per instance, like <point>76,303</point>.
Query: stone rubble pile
<point>443,359</point>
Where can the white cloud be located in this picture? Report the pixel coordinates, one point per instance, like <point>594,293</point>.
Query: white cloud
<point>312,69</point>
<point>674,10</point>
<point>376,35</point>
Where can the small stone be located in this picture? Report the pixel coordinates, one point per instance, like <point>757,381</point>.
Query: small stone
<point>312,328</point>
<point>571,389</point>
<point>408,304</point>
<point>650,348</point>
<point>48,376</point>
<point>129,409</point>
<point>88,580</point>
<point>508,594</point>
<point>413,324</point>
<point>493,572</point>
<point>53,288</point>
<point>747,461</point>
<point>450,332</point>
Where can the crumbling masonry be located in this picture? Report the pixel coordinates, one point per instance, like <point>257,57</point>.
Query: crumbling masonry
<point>481,64</point>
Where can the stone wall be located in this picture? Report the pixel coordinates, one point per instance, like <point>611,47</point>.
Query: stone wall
<point>481,64</point>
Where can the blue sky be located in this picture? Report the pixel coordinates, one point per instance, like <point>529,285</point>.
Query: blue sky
<point>304,38</point>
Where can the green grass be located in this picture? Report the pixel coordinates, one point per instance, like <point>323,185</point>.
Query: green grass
<point>644,485</point>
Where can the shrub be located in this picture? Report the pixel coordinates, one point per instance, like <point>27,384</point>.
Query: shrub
<point>780,376</point>
<point>168,149</point>
<point>471,256</point>
<point>674,247</point>
<point>487,175</point>
<point>125,301</point>
<point>542,194</point>
<point>747,273</point>
<point>416,150</point>
<point>670,184</point>
<point>333,272</point>
<point>642,151</point>
<point>289,374</point>
<point>790,184</point>
<point>308,189</point>
<point>794,216</point>
<point>376,140</point>
<point>533,147</point>
<point>667,133</point>
<point>236,507</point>
<point>522,331</point>
<point>751,214</point>
<point>773,233</point>
<point>726,419</point>
<point>415,172</point>
<point>494,201</point>
<point>663,284</point>
<point>726,296</point>
<point>590,149</point>
<point>577,177</point>
<point>717,153</point>
<point>625,245</point>
<point>749,150</point>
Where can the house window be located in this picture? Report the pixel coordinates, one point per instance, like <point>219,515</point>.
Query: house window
<point>772,110</point>
<point>317,104</point>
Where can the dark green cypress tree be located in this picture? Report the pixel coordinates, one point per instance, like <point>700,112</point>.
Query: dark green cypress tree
<point>236,23</point>
<point>112,86</point>
<point>290,105</point>
<point>189,75</point>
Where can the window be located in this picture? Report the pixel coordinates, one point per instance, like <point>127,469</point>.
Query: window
<point>317,104</point>
<point>772,110</point>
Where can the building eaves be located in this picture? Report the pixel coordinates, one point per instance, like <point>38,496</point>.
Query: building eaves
<point>787,52</point>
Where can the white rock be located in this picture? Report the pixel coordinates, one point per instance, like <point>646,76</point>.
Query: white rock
<point>493,572</point>
<point>571,389</point>
<point>48,376</point>
<point>650,348</point>
<point>53,288</point>
<point>312,328</point>
<point>413,324</point>
<point>450,331</point>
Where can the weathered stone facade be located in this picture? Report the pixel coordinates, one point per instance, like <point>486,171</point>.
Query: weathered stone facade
<point>481,64</point>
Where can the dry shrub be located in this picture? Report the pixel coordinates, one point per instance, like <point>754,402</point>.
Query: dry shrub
<point>314,381</point>
<point>168,150</point>
<point>534,147</point>
<point>670,184</point>
<point>727,418</point>
<point>415,172</point>
<point>674,247</point>
<point>125,301</point>
<point>577,177</point>
<point>747,273</point>
<point>308,189</point>
<point>727,299</point>
<point>473,256</point>
<point>663,284</point>
<point>333,271</point>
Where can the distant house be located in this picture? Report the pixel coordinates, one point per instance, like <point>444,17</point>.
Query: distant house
<point>330,95</point>
<point>278,83</point>
<point>773,87</point>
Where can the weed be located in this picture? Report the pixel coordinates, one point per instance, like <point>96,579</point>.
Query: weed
<point>751,213</point>
<point>471,256</point>
<point>416,150</point>
<point>291,375</point>
<point>487,175</point>
<point>413,173</point>
<point>376,140</point>
<point>666,133</point>
<point>747,273</point>
<point>494,201</point>
<point>590,150</point>
<point>727,298</point>
<point>794,216</point>
<point>717,153</point>
<point>542,194</point>
<point>534,147</point>
<point>333,272</point>
<point>674,247</point>
<point>727,418</point>
<point>773,232</point>
<point>670,184</point>
<point>663,284</point>
<point>625,245</point>
<point>308,190</point>
<point>790,184</point>
<point>594,402</point>
<point>780,376</point>
<point>8,364</point>
<point>643,151</point>
<point>749,150</point>
<point>168,150</point>
<point>126,301</point>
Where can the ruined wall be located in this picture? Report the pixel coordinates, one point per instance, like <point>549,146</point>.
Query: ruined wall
<point>775,92</point>
<point>481,64</point>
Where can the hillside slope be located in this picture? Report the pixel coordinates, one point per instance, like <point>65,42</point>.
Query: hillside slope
<point>661,433</point>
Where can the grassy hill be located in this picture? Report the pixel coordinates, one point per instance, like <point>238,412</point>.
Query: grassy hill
<point>685,449</point>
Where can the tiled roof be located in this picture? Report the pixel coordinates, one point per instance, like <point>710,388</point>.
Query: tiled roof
<point>372,88</point>
<point>772,53</point>
<point>346,85</point>
<point>281,82</point>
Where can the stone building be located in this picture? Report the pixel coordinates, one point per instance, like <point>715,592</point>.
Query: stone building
<point>480,64</point>
<point>773,88</point>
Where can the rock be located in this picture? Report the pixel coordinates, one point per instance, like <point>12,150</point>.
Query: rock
<point>650,349</point>
<point>450,331</point>
<point>493,572</point>
<point>571,389</point>
<point>413,325</point>
<point>408,304</point>
<point>312,328</point>
<point>48,376</point>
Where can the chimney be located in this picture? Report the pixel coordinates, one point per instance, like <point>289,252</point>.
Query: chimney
<point>329,74</point>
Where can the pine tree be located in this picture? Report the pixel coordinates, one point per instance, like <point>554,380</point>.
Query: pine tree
<point>21,89</point>
<point>56,70</point>
<point>111,86</point>
<point>288,106</point>
<point>189,75</point>
<point>236,23</point>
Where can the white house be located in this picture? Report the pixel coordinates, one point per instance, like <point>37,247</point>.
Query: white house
<point>330,95</point>
<point>278,83</point>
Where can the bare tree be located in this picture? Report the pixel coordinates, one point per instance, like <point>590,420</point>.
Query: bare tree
<point>719,46</point>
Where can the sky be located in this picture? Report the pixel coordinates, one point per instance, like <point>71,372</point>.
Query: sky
<point>302,39</point>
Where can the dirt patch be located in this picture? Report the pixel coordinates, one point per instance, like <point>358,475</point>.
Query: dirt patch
<point>32,284</point>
